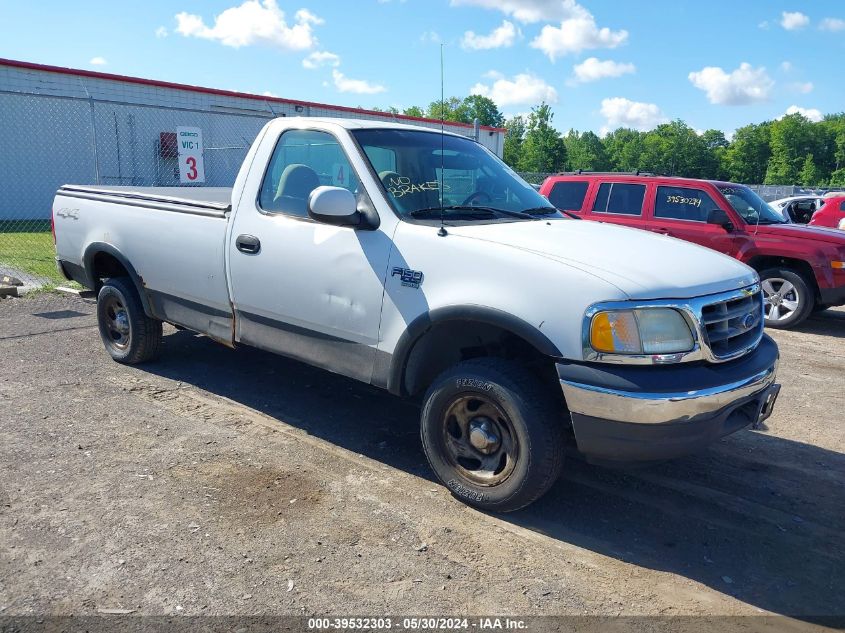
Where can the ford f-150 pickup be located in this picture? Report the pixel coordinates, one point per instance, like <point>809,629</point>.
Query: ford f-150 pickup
<point>419,262</point>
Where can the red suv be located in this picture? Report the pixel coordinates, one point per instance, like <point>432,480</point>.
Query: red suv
<point>802,268</point>
<point>831,214</point>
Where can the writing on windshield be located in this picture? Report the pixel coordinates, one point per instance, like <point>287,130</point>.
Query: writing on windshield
<point>422,170</point>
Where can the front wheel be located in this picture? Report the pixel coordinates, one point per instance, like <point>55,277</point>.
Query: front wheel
<point>493,434</point>
<point>787,298</point>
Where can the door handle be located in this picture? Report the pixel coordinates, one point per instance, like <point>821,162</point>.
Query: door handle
<point>660,230</point>
<point>248,244</point>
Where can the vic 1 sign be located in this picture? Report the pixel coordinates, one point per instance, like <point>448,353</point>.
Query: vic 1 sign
<point>191,165</point>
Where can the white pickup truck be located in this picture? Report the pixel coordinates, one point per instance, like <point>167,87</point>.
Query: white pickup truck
<point>419,262</point>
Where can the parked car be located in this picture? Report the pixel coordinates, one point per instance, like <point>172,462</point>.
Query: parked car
<point>420,263</point>
<point>798,209</point>
<point>832,214</point>
<point>802,268</point>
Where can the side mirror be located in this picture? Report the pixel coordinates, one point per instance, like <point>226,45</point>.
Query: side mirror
<point>333,205</point>
<point>720,217</point>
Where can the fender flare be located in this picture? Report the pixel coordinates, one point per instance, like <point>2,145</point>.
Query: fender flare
<point>417,328</point>
<point>94,249</point>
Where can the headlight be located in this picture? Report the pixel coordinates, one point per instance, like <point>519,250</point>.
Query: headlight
<point>641,331</point>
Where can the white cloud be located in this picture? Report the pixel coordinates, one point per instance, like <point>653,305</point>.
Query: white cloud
<point>742,86</point>
<point>793,20</point>
<point>593,69</point>
<point>430,37</point>
<point>763,25</point>
<point>501,37</point>
<point>804,88</point>
<point>523,89</point>
<point>812,114</point>
<point>357,86</point>
<point>786,66</point>
<point>832,24</point>
<point>98,61</point>
<point>161,32</point>
<point>531,10</point>
<point>267,93</point>
<point>318,59</point>
<point>253,22</point>
<point>621,112</point>
<point>575,35</point>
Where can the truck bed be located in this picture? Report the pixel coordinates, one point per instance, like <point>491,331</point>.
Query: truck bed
<point>199,200</point>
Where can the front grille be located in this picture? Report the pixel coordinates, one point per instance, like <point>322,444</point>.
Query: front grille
<point>734,325</point>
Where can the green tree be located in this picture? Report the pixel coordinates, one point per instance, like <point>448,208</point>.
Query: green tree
<point>449,109</point>
<point>414,111</point>
<point>585,151</point>
<point>624,147</point>
<point>811,175</point>
<point>792,140</point>
<point>837,178</point>
<point>481,108</point>
<point>543,150</point>
<point>716,144</point>
<point>514,136</point>
<point>714,139</point>
<point>674,149</point>
<point>747,157</point>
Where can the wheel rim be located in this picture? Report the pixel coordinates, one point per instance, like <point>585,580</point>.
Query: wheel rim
<point>781,298</point>
<point>479,440</point>
<point>117,323</point>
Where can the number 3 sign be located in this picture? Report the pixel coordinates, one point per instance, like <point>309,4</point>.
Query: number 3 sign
<point>191,165</point>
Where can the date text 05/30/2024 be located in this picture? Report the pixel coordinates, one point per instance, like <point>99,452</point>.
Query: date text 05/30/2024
<point>416,624</point>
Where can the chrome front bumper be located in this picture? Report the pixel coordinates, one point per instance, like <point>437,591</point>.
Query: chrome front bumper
<point>659,408</point>
<point>647,413</point>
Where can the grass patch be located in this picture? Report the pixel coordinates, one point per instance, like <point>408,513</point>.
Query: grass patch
<point>30,252</point>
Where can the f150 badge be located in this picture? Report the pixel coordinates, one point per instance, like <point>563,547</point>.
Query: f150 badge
<point>408,277</point>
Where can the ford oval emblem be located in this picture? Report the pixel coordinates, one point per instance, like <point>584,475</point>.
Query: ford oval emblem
<point>748,321</point>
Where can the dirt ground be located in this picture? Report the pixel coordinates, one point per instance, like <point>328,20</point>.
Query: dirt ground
<point>216,481</point>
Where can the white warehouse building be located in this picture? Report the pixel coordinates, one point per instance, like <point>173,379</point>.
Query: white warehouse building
<point>63,125</point>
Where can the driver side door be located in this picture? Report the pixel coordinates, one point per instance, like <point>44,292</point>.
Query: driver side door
<point>302,288</point>
<point>682,212</point>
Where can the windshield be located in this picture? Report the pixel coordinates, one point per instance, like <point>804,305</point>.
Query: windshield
<point>752,208</point>
<point>476,185</point>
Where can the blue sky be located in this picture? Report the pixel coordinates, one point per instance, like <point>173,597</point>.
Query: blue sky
<point>600,63</point>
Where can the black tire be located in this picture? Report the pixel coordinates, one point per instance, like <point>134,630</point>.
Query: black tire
<point>522,413</point>
<point>799,291</point>
<point>129,335</point>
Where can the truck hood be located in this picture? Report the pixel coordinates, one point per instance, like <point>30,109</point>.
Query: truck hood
<point>643,265</point>
<point>801,231</point>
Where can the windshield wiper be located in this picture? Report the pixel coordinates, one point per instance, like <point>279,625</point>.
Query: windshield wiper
<point>550,210</point>
<point>540,211</point>
<point>468,210</point>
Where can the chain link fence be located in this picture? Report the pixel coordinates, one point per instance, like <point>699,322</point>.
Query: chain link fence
<point>73,127</point>
<point>535,178</point>
<point>50,141</point>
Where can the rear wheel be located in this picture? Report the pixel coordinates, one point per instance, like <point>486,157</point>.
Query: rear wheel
<point>493,434</point>
<point>788,299</point>
<point>129,335</point>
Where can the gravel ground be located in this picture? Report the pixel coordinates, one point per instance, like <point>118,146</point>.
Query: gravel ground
<point>230,482</point>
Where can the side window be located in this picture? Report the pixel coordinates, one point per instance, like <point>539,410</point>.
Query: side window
<point>568,194</point>
<point>842,206</point>
<point>302,161</point>
<point>680,203</point>
<point>620,198</point>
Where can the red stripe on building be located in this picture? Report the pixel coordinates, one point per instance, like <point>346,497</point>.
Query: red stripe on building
<point>224,93</point>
